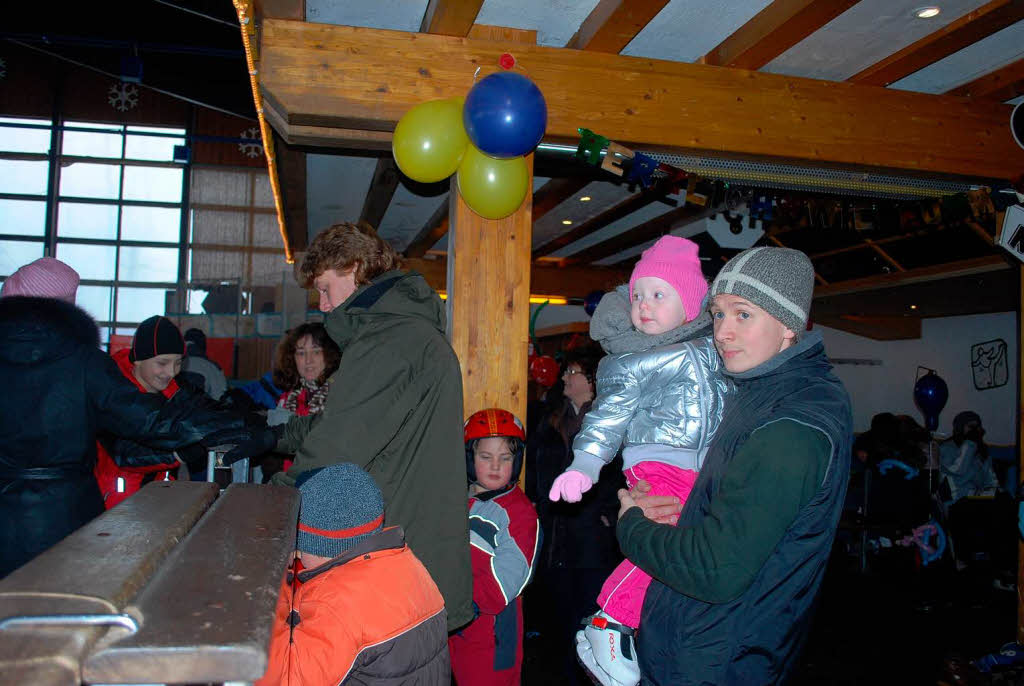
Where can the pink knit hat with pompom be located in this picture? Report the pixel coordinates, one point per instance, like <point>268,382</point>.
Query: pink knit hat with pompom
<point>46,277</point>
<point>675,260</point>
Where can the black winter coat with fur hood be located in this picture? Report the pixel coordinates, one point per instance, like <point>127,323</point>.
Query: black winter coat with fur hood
<point>57,389</point>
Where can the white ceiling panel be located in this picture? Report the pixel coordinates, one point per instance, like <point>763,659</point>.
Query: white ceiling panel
<point>407,214</point>
<point>644,214</point>
<point>397,15</point>
<point>603,195</point>
<point>976,60</point>
<point>686,30</point>
<point>685,231</point>
<point>554,20</point>
<point>336,187</point>
<point>864,35</point>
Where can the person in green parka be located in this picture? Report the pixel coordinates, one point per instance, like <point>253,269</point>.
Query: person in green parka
<point>395,403</point>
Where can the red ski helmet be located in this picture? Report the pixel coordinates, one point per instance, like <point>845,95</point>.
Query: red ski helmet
<point>492,423</point>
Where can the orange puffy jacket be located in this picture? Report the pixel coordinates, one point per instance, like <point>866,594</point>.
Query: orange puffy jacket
<point>372,614</point>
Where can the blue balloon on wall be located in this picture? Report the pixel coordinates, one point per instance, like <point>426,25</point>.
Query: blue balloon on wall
<point>931,394</point>
<point>505,115</point>
<point>590,302</point>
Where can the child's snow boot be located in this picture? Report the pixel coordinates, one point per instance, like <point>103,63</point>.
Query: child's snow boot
<point>607,650</point>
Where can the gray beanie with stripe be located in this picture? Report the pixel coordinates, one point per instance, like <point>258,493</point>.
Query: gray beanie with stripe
<point>341,506</point>
<point>778,280</point>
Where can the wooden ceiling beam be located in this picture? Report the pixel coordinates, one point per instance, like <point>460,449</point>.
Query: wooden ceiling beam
<point>291,171</point>
<point>545,279</point>
<point>967,30</point>
<point>319,75</point>
<point>612,24</point>
<point>382,189</point>
<point>432,231</point>
<point>976,265</point>
<point>654,228</point>
<point>1002,84</point>
<point>450,17</point>
<point>773,30</point>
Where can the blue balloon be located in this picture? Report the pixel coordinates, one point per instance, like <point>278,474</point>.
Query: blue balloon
<point>931,394</point>
<point>505,115</point>
<point>590,302</point>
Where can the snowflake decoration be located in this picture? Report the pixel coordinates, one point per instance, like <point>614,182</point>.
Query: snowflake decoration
<point>251,149</point>
<point>123,96</point>
<point>3,68</point>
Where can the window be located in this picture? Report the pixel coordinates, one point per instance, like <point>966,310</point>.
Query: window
<point>24,180</point>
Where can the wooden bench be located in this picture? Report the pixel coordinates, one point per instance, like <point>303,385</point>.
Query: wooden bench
<point>198,575</point>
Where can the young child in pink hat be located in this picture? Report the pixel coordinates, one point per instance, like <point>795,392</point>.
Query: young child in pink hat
<point>660,396</point>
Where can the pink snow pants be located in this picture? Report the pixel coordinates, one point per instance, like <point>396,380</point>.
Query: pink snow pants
<point>622,595</point>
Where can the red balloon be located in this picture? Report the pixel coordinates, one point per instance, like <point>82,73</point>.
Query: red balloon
<point>544,370</point>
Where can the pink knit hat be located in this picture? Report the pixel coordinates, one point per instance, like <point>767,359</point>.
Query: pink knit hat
<point>44,278</point>
<point>675,260</point>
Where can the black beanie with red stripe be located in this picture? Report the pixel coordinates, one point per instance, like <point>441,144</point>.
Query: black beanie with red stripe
<point>156,336</point>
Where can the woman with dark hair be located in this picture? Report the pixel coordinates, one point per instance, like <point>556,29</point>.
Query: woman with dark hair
<point>579,547</point>
<point>306,359</point>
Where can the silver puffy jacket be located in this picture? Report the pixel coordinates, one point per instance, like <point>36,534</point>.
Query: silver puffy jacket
<point>670,396</point>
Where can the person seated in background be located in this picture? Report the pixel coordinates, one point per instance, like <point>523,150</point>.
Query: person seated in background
<point>57,390</point>
<point>210,376</point>
<point>356,606</point>
<point>504,536</point>
<point>979,515</point>
<point>152,363</point>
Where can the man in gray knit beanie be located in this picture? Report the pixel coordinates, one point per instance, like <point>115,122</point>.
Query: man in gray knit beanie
<point>735,580</point>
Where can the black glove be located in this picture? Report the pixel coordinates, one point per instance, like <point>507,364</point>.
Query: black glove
<point>248,442</point>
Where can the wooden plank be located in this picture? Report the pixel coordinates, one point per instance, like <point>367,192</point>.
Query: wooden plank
<point>878,328</point>
<point>382,189</point>
<point>358,78</point>
<point>612,214</point>
<point>450,17</point>
<point>207,614</point>
<point>501,33</point>
<point>488,285</point>
<point>773,30</point>
<point>563,329</point>
<point>968,29</point>
<point>280,9</point>
<point>95,570</point>
<point>612,24</point>
<point>976,265</point>
<point>291,172</point>
<point>545,278</point>
<point>654,228</point>
<point>427,237</point>
<point>321,136</point>
<point>1002,84</point>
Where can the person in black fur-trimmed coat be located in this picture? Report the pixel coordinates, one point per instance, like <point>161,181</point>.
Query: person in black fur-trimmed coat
<point>57,389</point>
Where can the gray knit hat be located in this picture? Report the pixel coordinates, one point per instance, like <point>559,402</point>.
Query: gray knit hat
<point>778,280</point>
<point>341,506</point>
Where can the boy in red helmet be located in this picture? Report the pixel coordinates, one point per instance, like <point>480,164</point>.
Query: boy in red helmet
<point>504,537</point>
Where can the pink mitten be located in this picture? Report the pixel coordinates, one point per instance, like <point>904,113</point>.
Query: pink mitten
<point>570,486</point>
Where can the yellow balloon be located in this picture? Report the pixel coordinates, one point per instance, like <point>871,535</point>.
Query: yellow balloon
<point>491,187</point>
<point>430,140</point>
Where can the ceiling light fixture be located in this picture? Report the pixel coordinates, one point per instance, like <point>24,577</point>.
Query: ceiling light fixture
<point>567,221</point>
<point>585,198</point>
<point>913,307</point>
<point>927,12</point>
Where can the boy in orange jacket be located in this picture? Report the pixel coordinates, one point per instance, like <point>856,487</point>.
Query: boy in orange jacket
<point>357,606</point>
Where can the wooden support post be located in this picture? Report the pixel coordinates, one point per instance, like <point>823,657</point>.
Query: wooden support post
<point>489,303</point>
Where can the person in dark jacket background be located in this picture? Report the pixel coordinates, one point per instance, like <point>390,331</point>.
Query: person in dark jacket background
<point>57,389</point>
<point>399,412</point>
<point>579,548</point>
<point>736,579</point>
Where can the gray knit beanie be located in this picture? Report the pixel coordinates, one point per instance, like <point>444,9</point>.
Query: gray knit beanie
<point>778,280</point>
<point>341,506</point>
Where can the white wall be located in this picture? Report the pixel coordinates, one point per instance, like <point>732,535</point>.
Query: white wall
<point>945,346</point>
